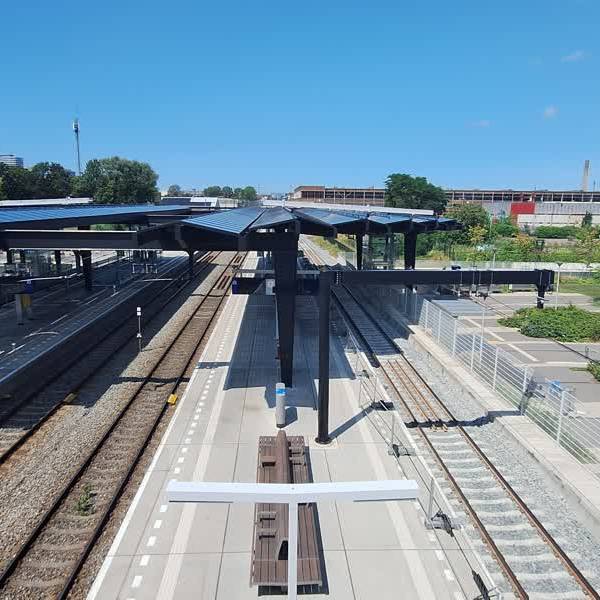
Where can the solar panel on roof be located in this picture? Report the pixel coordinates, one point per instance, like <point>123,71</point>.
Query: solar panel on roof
<point>330,217</point>
<point>273,217</point>
<point>233,221</point>
<point>32,214</point>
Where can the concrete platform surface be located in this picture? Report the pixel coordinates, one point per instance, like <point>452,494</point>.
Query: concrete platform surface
<point>371,551</point>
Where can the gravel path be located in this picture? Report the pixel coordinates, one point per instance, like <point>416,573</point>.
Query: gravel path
<point>46,465</point>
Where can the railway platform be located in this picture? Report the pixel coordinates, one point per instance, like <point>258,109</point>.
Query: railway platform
<point>204,551</point>
<point>59,313</point>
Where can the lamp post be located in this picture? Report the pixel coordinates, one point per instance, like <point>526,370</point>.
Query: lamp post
<point>557,285</point>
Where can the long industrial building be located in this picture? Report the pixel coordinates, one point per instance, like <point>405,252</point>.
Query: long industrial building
<point>533,207</point>
<point>343,195</point>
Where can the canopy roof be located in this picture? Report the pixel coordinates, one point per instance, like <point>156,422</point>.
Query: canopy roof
<point>57,217</point>
<point>241,221</point>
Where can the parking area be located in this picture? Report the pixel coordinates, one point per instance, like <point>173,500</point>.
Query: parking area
<point>557,361</point>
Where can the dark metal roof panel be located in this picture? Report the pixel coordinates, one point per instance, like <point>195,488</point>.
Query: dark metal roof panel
<point>233,221</point>
<point>331,218</point>
<point>273,217</point>
<point>28,215</point>
<point>389,218</point>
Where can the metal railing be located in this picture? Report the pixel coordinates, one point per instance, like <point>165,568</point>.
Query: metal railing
<point>547,403</point>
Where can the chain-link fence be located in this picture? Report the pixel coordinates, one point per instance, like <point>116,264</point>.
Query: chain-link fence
<point>553,408</point>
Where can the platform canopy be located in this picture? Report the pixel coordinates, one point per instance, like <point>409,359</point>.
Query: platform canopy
<point>246,222</point>
<point>59,217</point>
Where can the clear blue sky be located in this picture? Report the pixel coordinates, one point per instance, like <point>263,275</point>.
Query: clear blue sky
<point>275,94</point>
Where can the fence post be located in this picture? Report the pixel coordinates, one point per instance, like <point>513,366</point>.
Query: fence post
<point>426,314</point>
<point>439,332</point>
<point>415,297</point>
<point>560,416</point>
<point>405,301</point>
<point>454,336</point>
<point>472,349</point>
<point>495,369</point>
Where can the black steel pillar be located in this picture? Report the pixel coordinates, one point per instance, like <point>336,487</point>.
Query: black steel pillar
<point>285,294</point>
<point>541,293</point>
<point>58,261</point>
<point>22,257</point>
<point>86,260</point>
<point>9,257</point>
<point>410,250</point>
<point>190,264</point>
<point>77,260</point>
<point>324,306</point>
<point>359,251</point>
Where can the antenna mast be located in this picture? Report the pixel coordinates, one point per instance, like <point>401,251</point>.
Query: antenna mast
<point>76,131</point>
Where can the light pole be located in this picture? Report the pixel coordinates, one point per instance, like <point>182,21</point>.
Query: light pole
<point>138,312</point>
<point>557,285</point>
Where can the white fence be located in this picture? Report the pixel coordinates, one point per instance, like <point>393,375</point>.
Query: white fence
<point>554,409</point>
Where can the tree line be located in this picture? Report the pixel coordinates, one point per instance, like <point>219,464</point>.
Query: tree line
<point>111,180</point>
<point>247,193</point>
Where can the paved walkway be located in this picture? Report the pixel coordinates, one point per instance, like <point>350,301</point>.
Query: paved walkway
<point>372,551</point>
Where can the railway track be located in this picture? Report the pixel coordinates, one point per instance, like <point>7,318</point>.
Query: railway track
<point>21,417</point>
<point>531,559</point>
<point>47,564</point>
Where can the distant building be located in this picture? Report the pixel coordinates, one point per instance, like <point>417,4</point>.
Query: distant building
<point>45,202</point>
<point>335,195</point>
<point>533,207</point>
<point>11,160</point>
<point>201,201</point>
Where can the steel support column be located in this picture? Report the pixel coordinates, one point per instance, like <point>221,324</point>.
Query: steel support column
<point>77,254</point>
<point>9,257</point>
<point>359,251</point>
<point>541,293</point>
<point>58,261</point>
<point>410,250</point>
<point>86,260</point>
<point>22,257</point>
<point>285,293</point>
<point>324,306</point>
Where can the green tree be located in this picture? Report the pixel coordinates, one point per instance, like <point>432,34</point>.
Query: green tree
<point>117,180</point>
<point>587,220</point>
<point>174,190</point>
<point>227,191</point>
<point>504,227</point>
<point>237,193</point>
<point>213,191</point>
<point>248,194</point>
<point>470,216</point>
<point>51,180</point>
<point>17,183</point>
<point>405,191</point>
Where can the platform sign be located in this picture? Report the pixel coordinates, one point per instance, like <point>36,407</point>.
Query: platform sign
<point>28,286</point>
<point>138,311</point>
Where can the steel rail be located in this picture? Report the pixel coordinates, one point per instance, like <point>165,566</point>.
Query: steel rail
<point>560,554</point>
<point>77,476</point>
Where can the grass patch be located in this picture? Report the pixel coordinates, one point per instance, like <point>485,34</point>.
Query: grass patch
<point>86,503</point>
<point>588,287</point>
<point>594,369</point>
<point>566,323</point>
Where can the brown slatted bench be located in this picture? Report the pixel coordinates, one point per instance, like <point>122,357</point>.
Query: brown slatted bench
<point>283,459</point>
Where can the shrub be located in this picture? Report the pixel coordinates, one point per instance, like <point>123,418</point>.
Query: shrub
<point>594,369</point>
<point>557,231</point>
<point>566,323</point>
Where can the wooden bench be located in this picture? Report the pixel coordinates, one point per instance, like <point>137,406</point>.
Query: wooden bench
<point>283,460</point>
